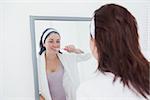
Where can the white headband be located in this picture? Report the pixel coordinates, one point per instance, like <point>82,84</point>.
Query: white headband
<point>92,28</point>
<point>46,33</point>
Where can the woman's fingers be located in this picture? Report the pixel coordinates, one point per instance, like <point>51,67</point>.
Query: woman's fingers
<point>70,48</point>
<point>41,97</point>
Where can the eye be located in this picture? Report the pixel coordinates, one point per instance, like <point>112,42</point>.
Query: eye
<point>50,41</point>
<point>58,41</point>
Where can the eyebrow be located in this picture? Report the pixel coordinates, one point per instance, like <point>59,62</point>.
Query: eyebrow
<point>53,39</point>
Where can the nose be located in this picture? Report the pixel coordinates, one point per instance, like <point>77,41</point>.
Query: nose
<point>55,45</point>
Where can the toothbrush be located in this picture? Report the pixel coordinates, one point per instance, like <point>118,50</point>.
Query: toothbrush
<point>60,49</point>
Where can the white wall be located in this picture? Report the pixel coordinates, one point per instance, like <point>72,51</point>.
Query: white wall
<point>16,70</point>
<point>1,54</point>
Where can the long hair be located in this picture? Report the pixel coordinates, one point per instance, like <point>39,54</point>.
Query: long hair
<point>118,48</point>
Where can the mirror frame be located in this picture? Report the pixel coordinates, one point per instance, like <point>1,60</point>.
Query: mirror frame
<point>33,42</point>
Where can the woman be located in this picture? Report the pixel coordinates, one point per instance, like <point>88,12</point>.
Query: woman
<point>57,72</point>
<point>123,71</point>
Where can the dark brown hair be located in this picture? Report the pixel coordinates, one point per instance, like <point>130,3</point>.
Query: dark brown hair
<point>118,48</point>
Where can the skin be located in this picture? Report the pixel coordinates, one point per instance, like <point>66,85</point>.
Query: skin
<point>52,43</point>
<point>93,48</point>
<point>41,97</point>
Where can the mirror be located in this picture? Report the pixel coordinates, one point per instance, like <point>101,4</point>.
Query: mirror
<point>73,30</point>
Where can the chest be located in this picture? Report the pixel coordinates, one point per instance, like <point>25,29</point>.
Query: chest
<point>52,66</point>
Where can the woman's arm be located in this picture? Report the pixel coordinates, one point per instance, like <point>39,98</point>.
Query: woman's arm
<point>81,55</point>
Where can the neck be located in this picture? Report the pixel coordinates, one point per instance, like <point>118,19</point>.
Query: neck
<point>50,56</point>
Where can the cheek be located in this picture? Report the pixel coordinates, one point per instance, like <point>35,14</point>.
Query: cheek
<point>93,49</point>
<point>57,45</point>
<point>48,45</point>
<point>91,45</point>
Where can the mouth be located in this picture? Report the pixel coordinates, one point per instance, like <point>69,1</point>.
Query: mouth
<point>56,49</point>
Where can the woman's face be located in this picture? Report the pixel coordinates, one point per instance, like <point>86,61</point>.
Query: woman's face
<point>93,48</point>
<point>52,43</point>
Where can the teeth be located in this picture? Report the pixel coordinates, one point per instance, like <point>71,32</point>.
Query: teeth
<point>61,49</point>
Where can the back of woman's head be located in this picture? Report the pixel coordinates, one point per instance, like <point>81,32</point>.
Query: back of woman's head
<point>118,48</point>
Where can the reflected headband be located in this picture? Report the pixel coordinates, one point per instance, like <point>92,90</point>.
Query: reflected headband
<point>47,33</point>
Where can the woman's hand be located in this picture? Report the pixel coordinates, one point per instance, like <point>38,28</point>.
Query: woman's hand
<point>72,49</point>
<point>41,97</point>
